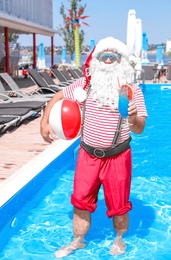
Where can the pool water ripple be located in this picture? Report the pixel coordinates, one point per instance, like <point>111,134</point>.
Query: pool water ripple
<point>47,222</point>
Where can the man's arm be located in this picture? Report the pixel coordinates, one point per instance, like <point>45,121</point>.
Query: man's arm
<point>45,129</point>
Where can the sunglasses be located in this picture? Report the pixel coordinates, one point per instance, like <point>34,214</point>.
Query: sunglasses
<point>111,56</point>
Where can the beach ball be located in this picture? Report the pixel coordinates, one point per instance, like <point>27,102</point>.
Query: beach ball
<point>65,119</point>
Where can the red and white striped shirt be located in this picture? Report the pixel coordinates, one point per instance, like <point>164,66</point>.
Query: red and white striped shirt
<point>100,124</point>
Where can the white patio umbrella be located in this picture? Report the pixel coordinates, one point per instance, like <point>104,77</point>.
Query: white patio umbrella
<point>138,38</point>
<point>138,47</point>
<point>41,57</point>
<point>131,30</point>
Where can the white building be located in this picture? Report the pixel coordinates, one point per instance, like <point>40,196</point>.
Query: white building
<point>25,17</point>
<point>168,45</point>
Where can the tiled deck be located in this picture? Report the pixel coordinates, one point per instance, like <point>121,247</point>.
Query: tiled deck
<point>19,147</point>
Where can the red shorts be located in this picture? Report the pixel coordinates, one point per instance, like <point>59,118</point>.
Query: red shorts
<point>114,173</point>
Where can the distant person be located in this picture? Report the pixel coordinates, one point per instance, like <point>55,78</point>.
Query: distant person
<point>162,76</point>
<point>106,69</point>
<point>55,66</point>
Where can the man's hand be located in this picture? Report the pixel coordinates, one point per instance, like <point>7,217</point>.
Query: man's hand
<point>136,123</point>
<point>47,132</point>
<point>132,112</point>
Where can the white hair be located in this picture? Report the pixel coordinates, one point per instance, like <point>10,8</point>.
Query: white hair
<point>106,80</point>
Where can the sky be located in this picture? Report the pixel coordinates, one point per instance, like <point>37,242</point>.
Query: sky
<point>109,18</point>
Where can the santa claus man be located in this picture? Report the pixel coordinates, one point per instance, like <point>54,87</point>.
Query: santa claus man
<point>104,157</point>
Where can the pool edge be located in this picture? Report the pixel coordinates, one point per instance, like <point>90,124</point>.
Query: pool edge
<point>26,173</point>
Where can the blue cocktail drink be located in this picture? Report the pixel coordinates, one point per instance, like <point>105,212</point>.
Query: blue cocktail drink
<point>123,103</point>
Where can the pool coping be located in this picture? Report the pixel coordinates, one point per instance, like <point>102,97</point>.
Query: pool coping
<point>26,173</point>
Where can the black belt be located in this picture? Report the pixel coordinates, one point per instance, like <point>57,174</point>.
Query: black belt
<point>102,153</point>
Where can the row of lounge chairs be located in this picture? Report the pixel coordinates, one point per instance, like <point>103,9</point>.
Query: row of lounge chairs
<point>16,106</point>
<point>16,110</point>
<point>65,77</point>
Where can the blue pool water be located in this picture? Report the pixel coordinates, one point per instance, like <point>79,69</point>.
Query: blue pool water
<point>45,222</point>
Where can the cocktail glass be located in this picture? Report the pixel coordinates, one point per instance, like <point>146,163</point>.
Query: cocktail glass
<point>125,96</point>
<point>123,102</point>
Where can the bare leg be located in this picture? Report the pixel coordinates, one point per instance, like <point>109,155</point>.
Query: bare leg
<point>81,225</point>
<point>121,226</point>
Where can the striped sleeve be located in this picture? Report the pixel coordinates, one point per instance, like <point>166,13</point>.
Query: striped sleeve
<point>139,101</point>
<point>68,91</point>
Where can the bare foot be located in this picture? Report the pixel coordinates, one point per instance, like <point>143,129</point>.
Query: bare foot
<point>118,247</point>
<point>66,250</point>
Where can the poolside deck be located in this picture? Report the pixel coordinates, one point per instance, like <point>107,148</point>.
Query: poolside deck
<point>21,145</point>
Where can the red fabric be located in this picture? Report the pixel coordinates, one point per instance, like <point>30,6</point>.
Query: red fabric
<point>114,173</point>
<point>86,68</point>
<point>24,72</point>
<point>121,211</point>
<point>80,204</point>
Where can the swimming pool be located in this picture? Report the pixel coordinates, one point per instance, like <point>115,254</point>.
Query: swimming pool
<point>42,223</point>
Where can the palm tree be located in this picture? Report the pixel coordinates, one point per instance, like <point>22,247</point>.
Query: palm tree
<point>12,37</point>
<point>74,21</point>
<point>169,53</point>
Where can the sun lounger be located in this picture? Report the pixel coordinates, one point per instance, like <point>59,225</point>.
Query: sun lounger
<point>4,98</point>
<point>67,76</point>
<point>13,85</point>
<point>22,113</point>
<point>37,106</point>
<point>149,71</point>
<point>7,122</point>
<point>57,73</point>
<point>73,74</point>
<point>48,79</point>
<point>16,91</point>
<point>78,72</point>
<point>6,101</point>
<point>41,83</point>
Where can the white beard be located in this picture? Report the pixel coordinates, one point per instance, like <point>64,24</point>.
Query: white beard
<point>105,82</point>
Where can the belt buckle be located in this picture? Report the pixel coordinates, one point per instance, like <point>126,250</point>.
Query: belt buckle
<point>98,155</point>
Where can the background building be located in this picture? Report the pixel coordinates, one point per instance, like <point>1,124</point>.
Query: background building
<point>168,45</point>
<point>24,17</point>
